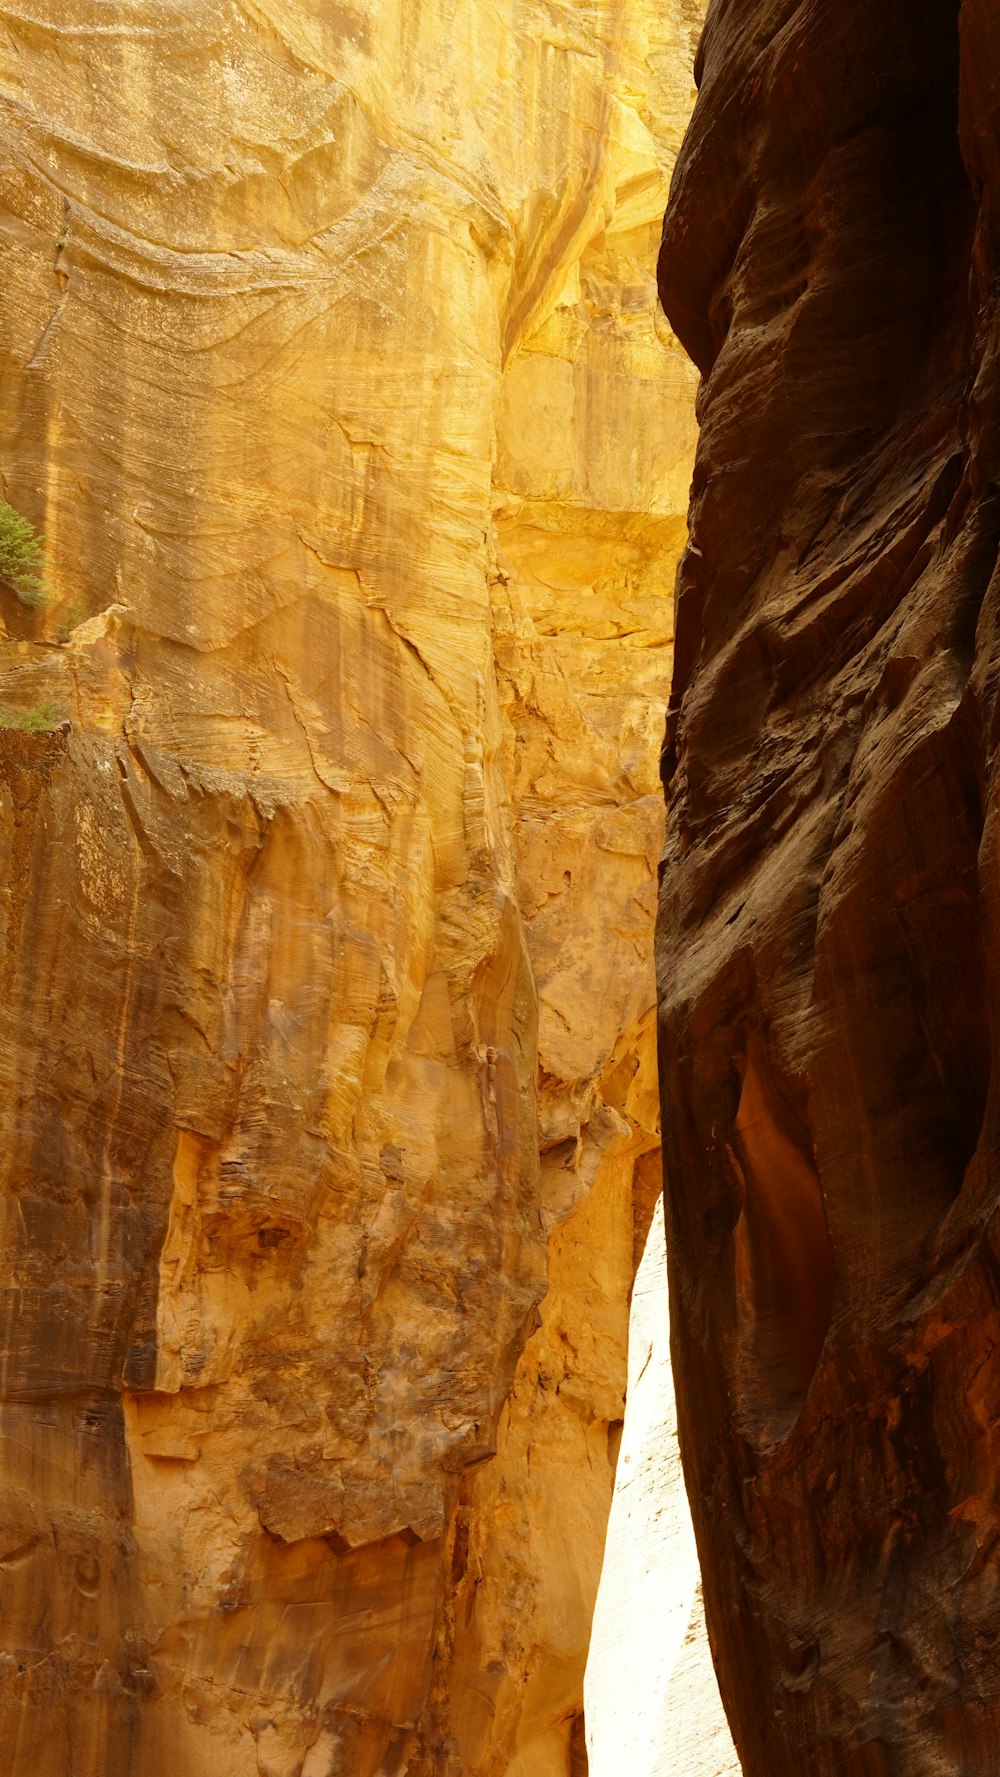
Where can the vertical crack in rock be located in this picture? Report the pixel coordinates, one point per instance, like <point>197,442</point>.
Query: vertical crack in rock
<point>652,1703</point>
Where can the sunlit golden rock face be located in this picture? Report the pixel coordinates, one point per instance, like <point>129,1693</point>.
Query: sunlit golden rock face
<point>331,368</point>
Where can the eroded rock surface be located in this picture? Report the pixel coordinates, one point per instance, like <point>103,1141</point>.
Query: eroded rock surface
<point>828,945</point>
<point>333,370</point>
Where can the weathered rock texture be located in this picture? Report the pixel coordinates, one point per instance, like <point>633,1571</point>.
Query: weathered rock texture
<point>829,943</point>
<point>332,369</point>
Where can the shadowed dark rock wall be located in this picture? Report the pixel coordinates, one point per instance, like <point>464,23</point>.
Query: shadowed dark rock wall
<point>829,944</point>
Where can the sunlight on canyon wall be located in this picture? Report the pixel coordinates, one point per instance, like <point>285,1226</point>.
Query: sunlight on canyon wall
<point>332,369</point>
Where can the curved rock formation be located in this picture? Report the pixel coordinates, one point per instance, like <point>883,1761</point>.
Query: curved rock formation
<point>828,949</point>
<point>333,372</point>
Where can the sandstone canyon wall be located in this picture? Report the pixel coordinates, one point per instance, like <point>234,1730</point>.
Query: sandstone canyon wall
<point>828,943</point>
<point>332,369</point>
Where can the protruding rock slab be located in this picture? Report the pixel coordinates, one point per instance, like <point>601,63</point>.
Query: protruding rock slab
<point>828,945</point>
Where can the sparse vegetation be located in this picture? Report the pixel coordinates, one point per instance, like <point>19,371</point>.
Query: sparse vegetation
<point>22,557</point>
<point>68,621</point>
<point>40,718</point>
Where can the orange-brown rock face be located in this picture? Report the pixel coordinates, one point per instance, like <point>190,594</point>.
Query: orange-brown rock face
<point>828,946</point>
<point>333,371</point>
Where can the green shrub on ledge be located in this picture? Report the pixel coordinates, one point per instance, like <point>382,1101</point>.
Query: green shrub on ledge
<point>22,557</point>
<point>41,718</point>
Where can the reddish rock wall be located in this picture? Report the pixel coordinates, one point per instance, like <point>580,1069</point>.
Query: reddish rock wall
<point>828,937</point>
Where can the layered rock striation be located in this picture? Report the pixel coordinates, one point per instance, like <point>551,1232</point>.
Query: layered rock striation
<point>332,370</point>
<point>827,942</point>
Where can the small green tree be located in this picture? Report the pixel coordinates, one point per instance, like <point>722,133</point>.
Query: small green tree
<point>22,557</point>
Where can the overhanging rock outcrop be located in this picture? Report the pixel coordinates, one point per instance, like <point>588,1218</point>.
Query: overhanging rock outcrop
<point>828,942</point>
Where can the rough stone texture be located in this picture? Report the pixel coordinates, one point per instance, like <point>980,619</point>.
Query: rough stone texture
<point>652,1704</point>
<point>828,940</point>
<point>331,366</point>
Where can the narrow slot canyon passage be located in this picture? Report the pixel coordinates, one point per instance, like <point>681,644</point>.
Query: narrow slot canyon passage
<point>652,1699</point>
<point>335,383</point>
